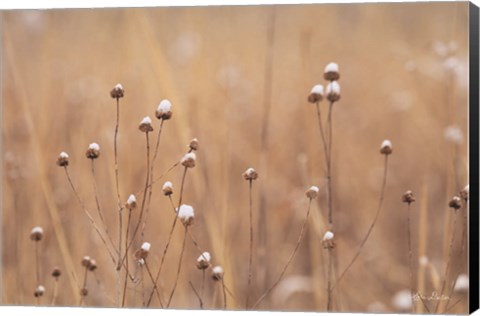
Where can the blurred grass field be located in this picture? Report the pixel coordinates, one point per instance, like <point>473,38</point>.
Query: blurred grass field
<point>233,74</point>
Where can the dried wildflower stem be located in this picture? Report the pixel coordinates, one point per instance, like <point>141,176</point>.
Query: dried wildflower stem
<point>155,288</point>
<point>142,208</point>
<point>329,279</point>
<point>410,258</point>
<point>178,268</point>
<point>329,166</point>
<point>55,292</point>
<point>224,294</point>
<point>200,301</point>
<point>372,225</point>
<point>84,286</point>
<point>97,202</point>
<point>322,134</point>
<point>289,261</point>
<point>449,260</point>
<point>250,258</point>
<point>119,201</point>
<point>152,167</point>
<point>126,257</point>
<point>92,221</point>
<point>165,250</point>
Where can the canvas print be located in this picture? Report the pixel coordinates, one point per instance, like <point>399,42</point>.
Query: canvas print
<point>262,157</point>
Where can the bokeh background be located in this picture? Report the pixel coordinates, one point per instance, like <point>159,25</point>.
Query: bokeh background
<point>238,78</point>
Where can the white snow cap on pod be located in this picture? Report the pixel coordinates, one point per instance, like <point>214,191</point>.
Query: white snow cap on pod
<point>146,246</point>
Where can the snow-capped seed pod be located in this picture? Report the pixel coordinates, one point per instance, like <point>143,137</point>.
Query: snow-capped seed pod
<point>93,151</point>
<point>386,147</point>
<point>333,91</point>
<point>186,214</point>
<point>117,91</point>
<point>62,159</point>
<point>146,125</point>
<point>455,203</point>
<point>328,240</point>
<point>217,273</point>
<point>461,284</point>
<point>131,202</point>
<point>85,261</point>
<point>250,174</point>
<point>36,234</point>
<point>167,188</point>
<point>142,253</point>
<point>189,160</point>
<point>56,272</point>
<point>316,94</point>
<point>408,197</point>
<point>464,194</point>
<point>312,192</point>
<point>193,144</point>
<point>84,291</point>
<point>92,265</point>
<point>39,291</point>
<point>164,110</point>
<point>331,72</point>
<point>203,262</point>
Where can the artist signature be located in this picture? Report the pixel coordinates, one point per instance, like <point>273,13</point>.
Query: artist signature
<point>432,297</point>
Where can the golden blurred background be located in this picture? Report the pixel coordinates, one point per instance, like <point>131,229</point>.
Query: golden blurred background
<point>238,78</point>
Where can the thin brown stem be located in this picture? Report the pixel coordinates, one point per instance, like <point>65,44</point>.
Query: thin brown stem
<point>322,134</point>
<point>55,292</point>
<point>92,221</point>
<point>97,202</point>
<point>155,288</point>
<point>329,166</point>
<point>250,259</point>
<point>178,268</point>
<point>196,293</point>
<point>449,259</point>
<point>126,258</point>
<point>290,259</point>
<point>165,250</point>
<point>372,225</point>
<point>329,279</point>
<point>37,264</point>
<point>119,202</point>
<point>142,207</point>
<point>410,258</point>
<point>149,186</point>
<point>224,295</point>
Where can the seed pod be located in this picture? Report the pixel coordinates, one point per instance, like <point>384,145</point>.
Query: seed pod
<point>193,144</point>
<point>92,265</point>
<point>203,262</point>
<point>62,159</point>
<point>328,240</point>
<point>333,91</point>
<point>331,72</point>
<point>167,188</point>
<point>84,291</point>
<point>316,94</point>
<point>164,111</point>
<point>117,92</point>
<point>312,192</point>
<point>146,125</point>
<point>39,291</point>
<point>464,194</point>
<point>455,203</point>
<point>93,151</point>
<point>85,261</point>
<point>131,202</point>
<point>56,272</point>
<point>217,273</point>
<point>408,197</point>
<point>250,174</point>
<point>186,214</point>
<point>386,147</point>
<point>189,160</point>
<point>36,233</point>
